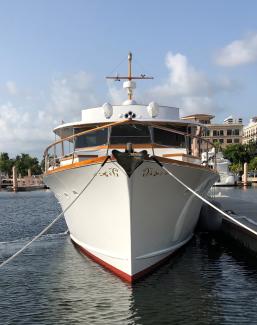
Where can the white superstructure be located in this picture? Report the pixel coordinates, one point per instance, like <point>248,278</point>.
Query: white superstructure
<point>133,214</point>
<point>226,177</point>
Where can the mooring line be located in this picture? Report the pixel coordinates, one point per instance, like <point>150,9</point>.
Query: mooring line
<point>54,221</point>
<point>227,216</point>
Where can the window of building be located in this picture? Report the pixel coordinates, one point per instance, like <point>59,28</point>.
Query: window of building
<point>236,140</point>
<point>215,133</point>
<point>229,140</point>
<point>221,132</point>
<point>206,133</point>
<point>236,132</point>
<point>221,140</point>
<point>229,132</point>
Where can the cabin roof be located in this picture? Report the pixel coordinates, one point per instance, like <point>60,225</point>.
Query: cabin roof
<point>142,113</point>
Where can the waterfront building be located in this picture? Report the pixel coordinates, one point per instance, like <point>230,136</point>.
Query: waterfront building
<point>250,131</point>
<point>226,133</point>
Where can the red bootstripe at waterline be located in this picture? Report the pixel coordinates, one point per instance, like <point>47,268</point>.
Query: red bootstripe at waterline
<point>119,273</point>
<point>124,276</point>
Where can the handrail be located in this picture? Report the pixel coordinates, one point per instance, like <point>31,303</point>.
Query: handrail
<point>128,121</point>
<point>176,131</point>
<point>84,132</point>
<point>186,135</point>
<point>123,122</point>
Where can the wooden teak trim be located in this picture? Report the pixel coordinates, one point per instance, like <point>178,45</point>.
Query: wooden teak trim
<point>77,164</point>
<point>99,160</point>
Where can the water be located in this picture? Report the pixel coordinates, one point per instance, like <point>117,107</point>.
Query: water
<point>51,283</point>
<point>241,193</point>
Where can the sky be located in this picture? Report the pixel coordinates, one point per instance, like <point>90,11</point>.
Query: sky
<point>55,54</point>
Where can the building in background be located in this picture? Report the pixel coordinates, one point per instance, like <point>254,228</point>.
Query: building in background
<point>226,133</point>
<point>250,131</point>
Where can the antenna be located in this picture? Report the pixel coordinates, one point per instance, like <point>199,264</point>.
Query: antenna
<point>129,84</point>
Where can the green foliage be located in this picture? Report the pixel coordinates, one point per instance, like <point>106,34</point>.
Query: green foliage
<point>253,164</point>
<point>23,162</point>
<point>217,146</point>
<point>240,153</point>
<point>42,164</point>
<point>236,168</point>
<point>6,163</point>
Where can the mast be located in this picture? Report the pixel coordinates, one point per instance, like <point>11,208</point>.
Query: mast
<point>129,84</point>
<point>129,65</point>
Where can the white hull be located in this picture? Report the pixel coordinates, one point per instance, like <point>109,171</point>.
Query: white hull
<point>130,224</point>
<point>226,180</point>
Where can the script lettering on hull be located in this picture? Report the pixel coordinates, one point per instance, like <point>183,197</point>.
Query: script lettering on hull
<point>110,172</point>
<point>153,172</point>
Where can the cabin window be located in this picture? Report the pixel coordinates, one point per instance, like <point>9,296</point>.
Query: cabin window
<point>93,139</point>
<point>130,133</point>
<point>167,138</point>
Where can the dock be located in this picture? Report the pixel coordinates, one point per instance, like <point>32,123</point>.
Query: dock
<point>246,213</point>
<point>21,184</point>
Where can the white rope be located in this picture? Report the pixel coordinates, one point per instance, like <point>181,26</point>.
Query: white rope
<point>227,216</point>
<point>53,222</point>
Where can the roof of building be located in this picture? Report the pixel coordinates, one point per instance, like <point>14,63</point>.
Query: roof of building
<point>198,116</point>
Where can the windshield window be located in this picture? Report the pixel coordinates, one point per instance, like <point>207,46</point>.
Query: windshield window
<point>93,139</point>
<point>169,139</point>
<point>130,133</point>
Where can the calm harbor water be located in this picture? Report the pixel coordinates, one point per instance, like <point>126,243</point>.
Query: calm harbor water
<point>51,283</point>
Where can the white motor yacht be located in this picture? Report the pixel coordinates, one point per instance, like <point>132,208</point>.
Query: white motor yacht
<point>130,214</point>
<point>226,177</point>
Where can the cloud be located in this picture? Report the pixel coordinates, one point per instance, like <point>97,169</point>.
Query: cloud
<point>183,78</point>
<point>27,127</point>
<point>238,52</point>
<point>189,88</point>
<point>185,87</point>
<point>116,95</point>
<point>70,95</point>
<point>21,130</point>
<point>11,88</point>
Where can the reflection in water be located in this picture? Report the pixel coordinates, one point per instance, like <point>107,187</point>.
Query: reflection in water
<point>52,283</point>
<point>181,292</point>
<point>238,192</point>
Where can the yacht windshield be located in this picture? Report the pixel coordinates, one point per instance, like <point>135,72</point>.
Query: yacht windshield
<point>169,139</point>
<point>93,139</point>
<point>130,133</point>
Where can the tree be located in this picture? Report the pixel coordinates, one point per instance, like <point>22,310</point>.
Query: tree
<point>253,165</point>
<point>236,168</point>
<point>24,162</point>
<point>240,153</point>
<point>217,145</point>
<point>6,163</point>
